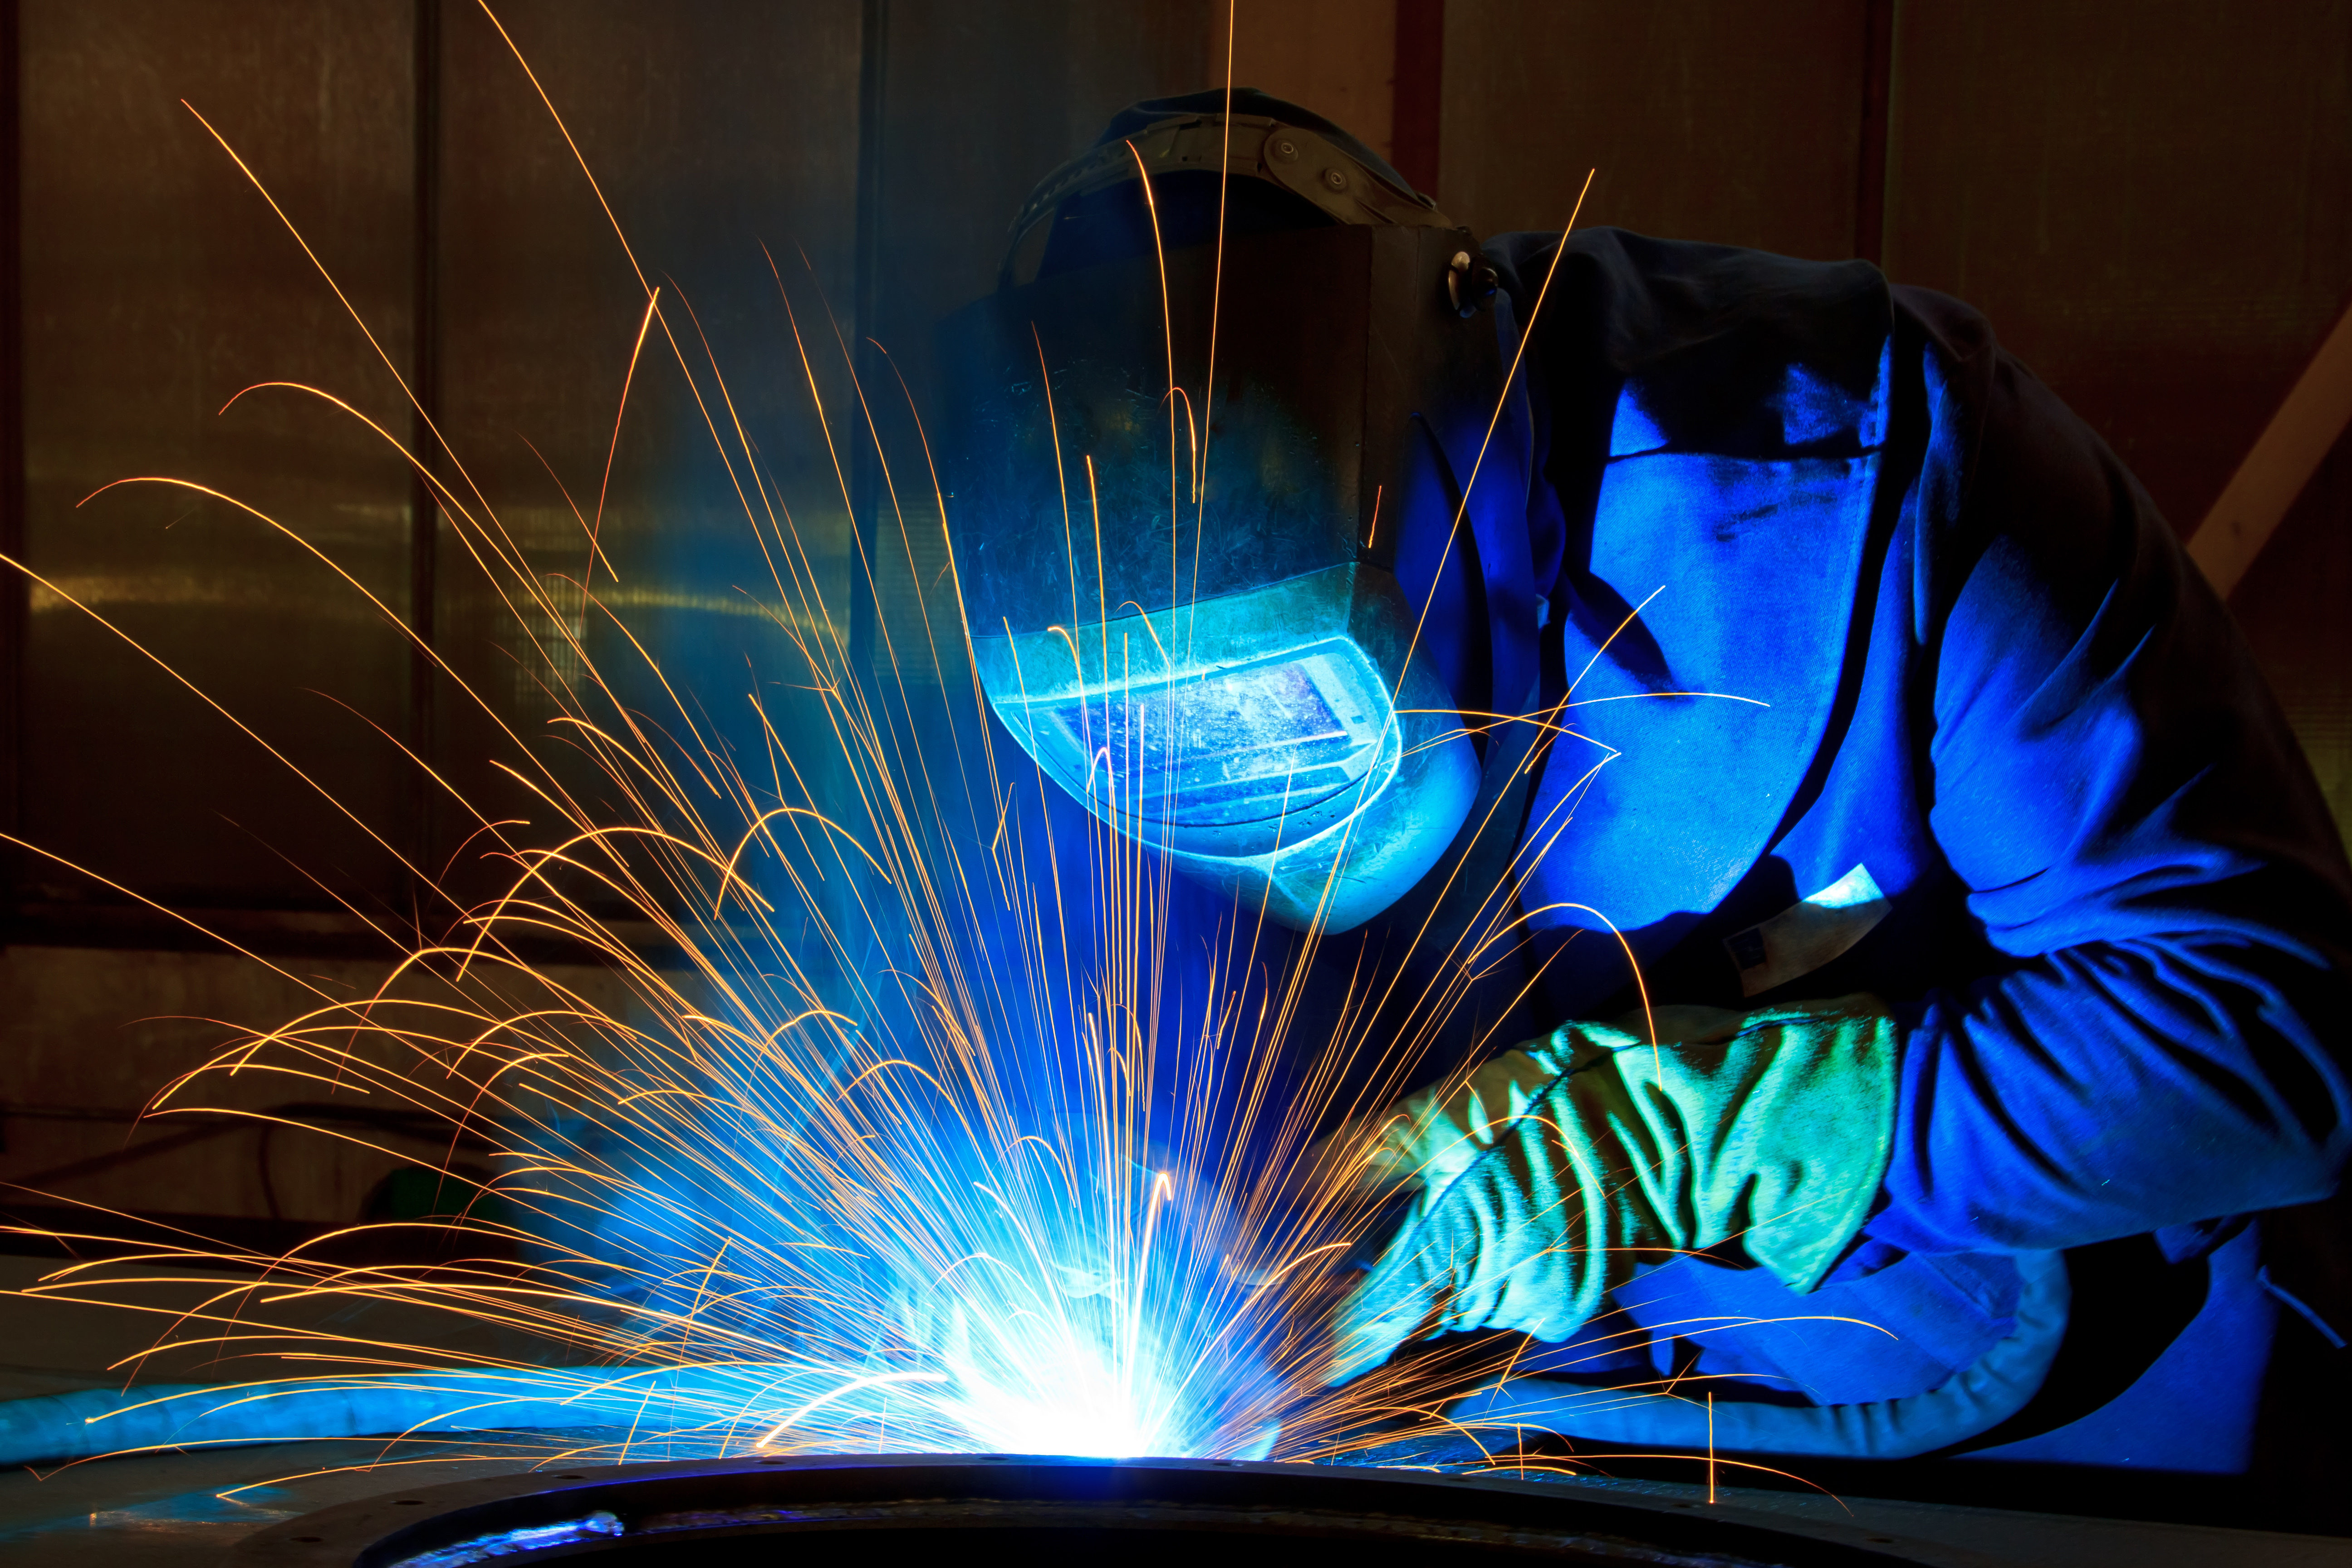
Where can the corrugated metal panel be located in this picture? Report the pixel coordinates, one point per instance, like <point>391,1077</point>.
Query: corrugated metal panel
<point>65,1127</point>
<point>1334,57</point>
<point>713,131</point>
<point>157,284</point>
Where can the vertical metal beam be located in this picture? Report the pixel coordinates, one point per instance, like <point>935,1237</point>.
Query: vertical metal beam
<point>1870,168</point>
<point>14,599</point>
<point>1418,113</point>
<point>424,372</point>
<point>865,483</point>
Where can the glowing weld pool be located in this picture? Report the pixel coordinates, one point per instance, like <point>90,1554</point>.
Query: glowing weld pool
<point>936,1510</point>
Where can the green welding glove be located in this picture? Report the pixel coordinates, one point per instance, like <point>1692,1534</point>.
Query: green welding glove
<point>1558,1167</point>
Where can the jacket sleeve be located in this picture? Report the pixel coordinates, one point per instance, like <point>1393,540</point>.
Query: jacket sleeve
<point>2136,834</point>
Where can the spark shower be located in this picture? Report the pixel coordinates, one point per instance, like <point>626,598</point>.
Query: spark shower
<point>931,1122</point>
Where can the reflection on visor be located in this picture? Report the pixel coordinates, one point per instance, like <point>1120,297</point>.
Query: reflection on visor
<point>1240,745</point>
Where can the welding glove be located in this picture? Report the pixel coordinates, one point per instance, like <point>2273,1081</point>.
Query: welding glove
<point>1540,1184</point>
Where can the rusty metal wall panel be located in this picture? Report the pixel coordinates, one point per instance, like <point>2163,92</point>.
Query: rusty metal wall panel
<point>66,1117</point>
<point>713,131</point>
<point>2155,217</point>
<point>2150,208</point>
<point>156,285</point>
<point>1740,124</point>
<point>1336,58</point>
<point>982,102</point>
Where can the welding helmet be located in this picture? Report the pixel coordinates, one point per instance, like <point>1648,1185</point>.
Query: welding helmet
<point>1207,502</point>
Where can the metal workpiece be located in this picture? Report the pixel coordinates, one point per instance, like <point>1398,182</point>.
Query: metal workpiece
<point>811,1510</point>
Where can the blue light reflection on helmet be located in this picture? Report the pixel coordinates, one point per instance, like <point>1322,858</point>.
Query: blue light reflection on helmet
<point>1253,738</point>
<point>1233,750</point>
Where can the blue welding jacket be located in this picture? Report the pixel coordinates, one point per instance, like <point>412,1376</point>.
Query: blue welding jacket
<point>1883,674</point>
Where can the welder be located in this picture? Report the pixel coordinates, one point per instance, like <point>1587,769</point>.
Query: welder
<point>1983,1089</point>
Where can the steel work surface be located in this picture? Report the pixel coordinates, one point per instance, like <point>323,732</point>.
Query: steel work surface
<point>170,1508</point>
<point>185,1508</point>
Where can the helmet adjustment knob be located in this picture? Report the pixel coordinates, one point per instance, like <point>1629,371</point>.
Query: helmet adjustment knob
<point>1470,284</point>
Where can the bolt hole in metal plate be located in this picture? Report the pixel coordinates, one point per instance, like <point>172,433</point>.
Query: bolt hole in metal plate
<point>864,1510</point>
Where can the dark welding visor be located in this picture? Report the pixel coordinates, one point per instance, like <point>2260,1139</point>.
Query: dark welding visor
<point>1343,376</point>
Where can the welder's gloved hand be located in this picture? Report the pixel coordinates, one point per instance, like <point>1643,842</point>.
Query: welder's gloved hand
<point>1559,1166</point>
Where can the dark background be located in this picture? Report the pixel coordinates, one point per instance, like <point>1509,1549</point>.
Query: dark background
<point>2150,203</point>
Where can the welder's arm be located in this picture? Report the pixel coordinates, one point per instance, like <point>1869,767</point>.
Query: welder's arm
<point>1543,1181</point>
<point>2136,829</point>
